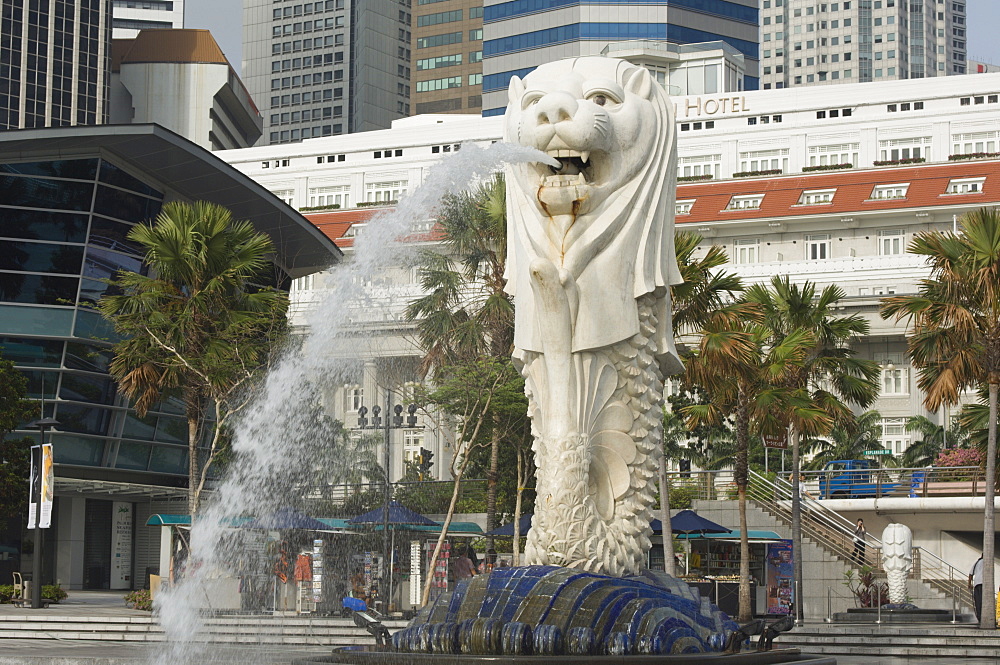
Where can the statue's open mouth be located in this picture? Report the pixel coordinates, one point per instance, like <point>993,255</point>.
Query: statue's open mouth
<point>575,168</point>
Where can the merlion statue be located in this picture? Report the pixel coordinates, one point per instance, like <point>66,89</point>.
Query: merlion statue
<point>590,260</point>
<point>897,559</point>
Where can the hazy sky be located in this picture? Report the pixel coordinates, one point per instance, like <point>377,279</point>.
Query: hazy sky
<point>224,19</point>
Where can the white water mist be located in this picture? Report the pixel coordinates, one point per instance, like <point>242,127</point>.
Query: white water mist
<point>277,437</point>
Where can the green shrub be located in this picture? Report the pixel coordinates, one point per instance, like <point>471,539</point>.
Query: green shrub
<point>6,593</point>
<point>140,599</point>
<point>681,497</point>
<point>54,592</point>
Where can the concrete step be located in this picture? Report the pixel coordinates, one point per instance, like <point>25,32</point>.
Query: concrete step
<point>229,629</point>
<point>856,640</point>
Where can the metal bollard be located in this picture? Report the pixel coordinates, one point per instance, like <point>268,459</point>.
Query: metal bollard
<point>829,605</point>
<point>878,591</point>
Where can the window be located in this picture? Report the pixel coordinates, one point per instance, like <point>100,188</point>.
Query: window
<point>339,195</point>
<point>385,191</point>
<point>683,207</point>
<point>745,202</point>
<point>891,242</point>
<point>911,148</point>
<point>439,62</point>
<point>699,165</point>
<point>894,435</point>
<point>355,398</point>
<point>975,142</point>
<point>286,195</point>
<point>895,380</point>
<point>966,186</point>
<point>439,40</point>
<point>883,192</point>
<point>836,153</point>
<point>764,160</point>
<point>817,197</point>
<point>439,84</point>
<point>746,250</point>
<point>413,441</point>
<point>818,247</point>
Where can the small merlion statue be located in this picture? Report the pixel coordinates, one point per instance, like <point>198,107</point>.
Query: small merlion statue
<point>897,559</point>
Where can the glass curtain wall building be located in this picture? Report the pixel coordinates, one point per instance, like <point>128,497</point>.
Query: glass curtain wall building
<point>63,228</point>
<point>67,202</point>
<point>55,56</point>
<point>519,35</point>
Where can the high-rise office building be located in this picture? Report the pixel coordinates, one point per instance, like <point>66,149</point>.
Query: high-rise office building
<point>447,56</point>
<point>519,35</point>
<point>804,42</point>
<point>54,63</point>
<point>326,67</point>
<point>128,17</point>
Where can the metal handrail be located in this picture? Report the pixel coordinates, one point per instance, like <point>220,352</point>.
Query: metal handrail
<point>818,521</point>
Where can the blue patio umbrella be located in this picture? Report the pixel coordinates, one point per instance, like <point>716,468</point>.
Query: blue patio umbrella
<point>398,515</point>
<point>689,522</point>
<point>507,530</point>
<point>287,518</point>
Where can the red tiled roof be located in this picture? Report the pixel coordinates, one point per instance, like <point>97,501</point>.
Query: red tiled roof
<point>335,223</point>
<point>782,193</point>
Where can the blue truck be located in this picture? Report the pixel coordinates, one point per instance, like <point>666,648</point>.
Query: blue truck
<point>861,479</point>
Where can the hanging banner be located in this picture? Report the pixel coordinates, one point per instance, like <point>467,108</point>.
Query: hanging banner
<point>47,488</point>
<point>121,545</point>
<point>34,486</point>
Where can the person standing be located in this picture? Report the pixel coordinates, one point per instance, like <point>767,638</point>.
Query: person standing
<point>976,584</point>
<point>859,543</point>
<point>463,566</point>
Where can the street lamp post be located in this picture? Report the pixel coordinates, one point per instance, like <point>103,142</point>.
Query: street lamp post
<point>36,556</point>
<point>386,424</point>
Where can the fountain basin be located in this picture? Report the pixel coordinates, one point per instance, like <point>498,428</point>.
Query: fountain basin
<point>372,656</point>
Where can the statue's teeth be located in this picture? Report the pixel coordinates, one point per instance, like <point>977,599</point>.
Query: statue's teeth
<point>585,156</point>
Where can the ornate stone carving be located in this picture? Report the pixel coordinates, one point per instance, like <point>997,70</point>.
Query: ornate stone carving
<point>590,260</point>
<point>897,559</point>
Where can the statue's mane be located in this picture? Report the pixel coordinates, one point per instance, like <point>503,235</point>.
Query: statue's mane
<point>637,219</point>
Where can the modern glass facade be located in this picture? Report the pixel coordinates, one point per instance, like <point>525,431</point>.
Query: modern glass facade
<point>63,78</point>
<point>519,35</point>
<point>63,228</point>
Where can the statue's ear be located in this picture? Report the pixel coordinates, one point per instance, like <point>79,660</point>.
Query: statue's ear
<point>516,89</point>
<point>639,82</point>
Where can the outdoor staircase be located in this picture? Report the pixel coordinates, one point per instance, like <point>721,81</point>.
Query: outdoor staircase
<point>237,629</point>
<point>835,533</point>
<point>945,643</point>
<point>828,545</point>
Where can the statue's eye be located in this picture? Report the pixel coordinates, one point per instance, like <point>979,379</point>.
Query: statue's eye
<point>603,98</point>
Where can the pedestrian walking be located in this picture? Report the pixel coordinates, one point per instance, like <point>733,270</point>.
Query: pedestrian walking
<point>976,584</point>
<point>859,543</point>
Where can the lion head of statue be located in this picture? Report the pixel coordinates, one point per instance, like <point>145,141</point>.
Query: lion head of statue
<point>603,214</point>
<point>601,118</point>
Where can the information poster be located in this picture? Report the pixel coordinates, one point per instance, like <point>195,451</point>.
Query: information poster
<point>45,516</point>
<point>121,545</point>
<point>780,580</point>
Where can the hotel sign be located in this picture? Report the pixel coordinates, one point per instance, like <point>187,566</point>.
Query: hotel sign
<point>697,107</point>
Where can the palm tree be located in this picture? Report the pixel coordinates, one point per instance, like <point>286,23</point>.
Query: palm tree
<point>465,314</point>
<point>740,367</point>
<point>851,440</point>
<point>703,290</point>
<point>832,376</point>
<point>954,338</point>
<point>934,439</point>
<point>199,325</point>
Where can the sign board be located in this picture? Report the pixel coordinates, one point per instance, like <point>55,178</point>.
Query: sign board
<point>776,441</point>
<point>40,487</point>
<point>121,545</point>
<point>878,452</point>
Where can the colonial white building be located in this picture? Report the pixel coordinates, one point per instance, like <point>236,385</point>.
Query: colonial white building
<point>842,183</point>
